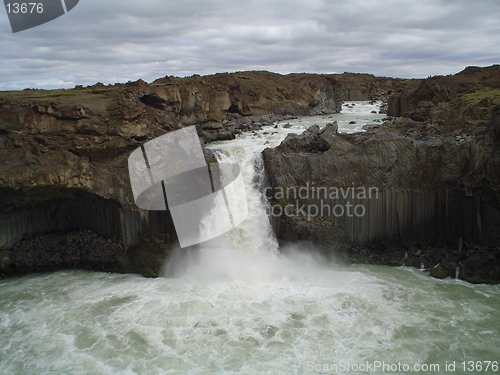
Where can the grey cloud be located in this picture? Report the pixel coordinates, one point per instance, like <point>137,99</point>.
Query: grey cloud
<point>116,41</point>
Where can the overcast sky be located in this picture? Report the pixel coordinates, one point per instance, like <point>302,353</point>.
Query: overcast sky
<point>120,40</point>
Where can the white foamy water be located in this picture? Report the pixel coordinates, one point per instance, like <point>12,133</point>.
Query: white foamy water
<point>278,320</point>
<point>237,305</point>
<point>271,136</point>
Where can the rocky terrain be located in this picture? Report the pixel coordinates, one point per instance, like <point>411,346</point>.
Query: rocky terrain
<point>65,196</point>
<point>436,169</point>
<point>66,200</point>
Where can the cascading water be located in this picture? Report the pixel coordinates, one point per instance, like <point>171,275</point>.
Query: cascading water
<point>255,234</point>
<point>243,250</point>
<point>237,306</point>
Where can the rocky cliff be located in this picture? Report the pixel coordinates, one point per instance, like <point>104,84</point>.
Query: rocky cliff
<point>464,98</point>
<point>369,87</point>
<point>65,196</point>
<point>66,200</point>
<point>426,186</point>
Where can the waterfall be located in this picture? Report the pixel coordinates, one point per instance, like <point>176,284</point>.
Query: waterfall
<point>457,271</point>
<point>251,248</point>
<point>255,234</point>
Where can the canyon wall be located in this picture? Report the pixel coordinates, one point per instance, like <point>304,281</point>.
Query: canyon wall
<point>66,200</point>
<point>436,173</point>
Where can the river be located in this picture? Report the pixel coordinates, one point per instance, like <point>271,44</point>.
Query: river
<point>241,305</point>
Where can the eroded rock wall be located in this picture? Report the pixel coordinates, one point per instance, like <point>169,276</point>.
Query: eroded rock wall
<point>437,203</point>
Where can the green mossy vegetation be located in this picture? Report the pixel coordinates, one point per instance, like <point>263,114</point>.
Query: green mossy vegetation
<point>162,84</point>
<point>90,93</point>
<point>474,98</point>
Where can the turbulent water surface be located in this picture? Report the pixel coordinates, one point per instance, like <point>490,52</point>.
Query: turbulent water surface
<point>238,305</point>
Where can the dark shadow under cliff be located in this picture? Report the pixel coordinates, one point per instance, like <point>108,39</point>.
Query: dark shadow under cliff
<point>46,229</point>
